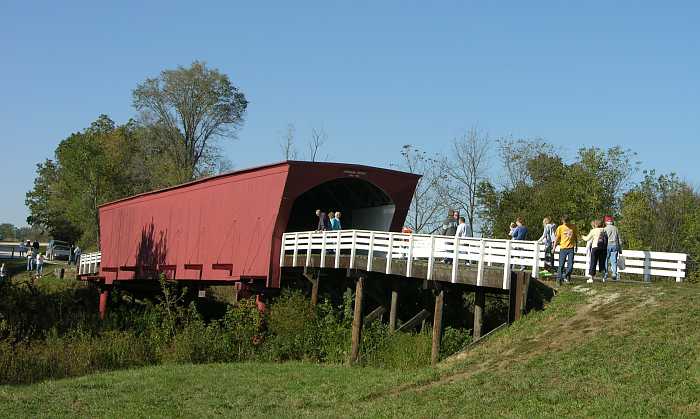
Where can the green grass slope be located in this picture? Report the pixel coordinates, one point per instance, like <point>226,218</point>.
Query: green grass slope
<point>610,350</point>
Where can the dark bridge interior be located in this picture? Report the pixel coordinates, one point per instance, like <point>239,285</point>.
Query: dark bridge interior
<point>362,205</point>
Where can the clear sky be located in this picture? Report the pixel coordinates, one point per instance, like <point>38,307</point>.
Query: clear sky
<point>374,75</point>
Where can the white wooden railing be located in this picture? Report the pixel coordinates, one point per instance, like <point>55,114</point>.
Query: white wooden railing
<point>89,263</point>
<point>480,252</point>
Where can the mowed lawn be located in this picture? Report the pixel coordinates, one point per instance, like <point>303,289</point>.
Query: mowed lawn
<point>611,350</point>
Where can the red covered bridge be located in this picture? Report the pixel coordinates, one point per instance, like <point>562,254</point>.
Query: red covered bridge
<point>229,227</point>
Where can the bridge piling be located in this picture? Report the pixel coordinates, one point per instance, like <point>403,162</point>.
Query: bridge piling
<point>393,307</point>
<point>357,321</point>
<point>479,304</point>
<point>437,327</point>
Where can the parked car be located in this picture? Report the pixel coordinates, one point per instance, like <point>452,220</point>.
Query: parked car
<point>57,250</point>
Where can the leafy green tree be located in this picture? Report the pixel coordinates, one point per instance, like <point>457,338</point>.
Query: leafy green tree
<point>190,108</point>
<point>102,163</point>
<point>584,189</point>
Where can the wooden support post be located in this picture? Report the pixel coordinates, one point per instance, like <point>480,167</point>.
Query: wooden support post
<point>518,295</point>
<point>357,321</point>
<point>314,278</point>
<point>314,290</point>
<point>104,296</point>
<point>479,303</point>
<point>392,309</point>
<point>437,327</point>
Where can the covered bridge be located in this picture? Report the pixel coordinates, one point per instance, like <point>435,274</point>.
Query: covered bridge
<point>229,227</point>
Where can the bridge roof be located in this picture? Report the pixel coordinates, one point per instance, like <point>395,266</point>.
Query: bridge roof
<point>290,163</point>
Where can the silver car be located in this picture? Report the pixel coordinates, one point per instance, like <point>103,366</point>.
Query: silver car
<point>57,250</point>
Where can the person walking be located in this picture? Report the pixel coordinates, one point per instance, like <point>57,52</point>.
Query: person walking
<point>449,228</point>
<point>3,273</point>
<point>598,242</point>
<point>614,247</point>
<point>77,252</point>
<point>35,246</point>
<point>566,237</point>
<point>39,265</point>
<point>462,231</point>
<point>548,237</point>
<point>30,259</point>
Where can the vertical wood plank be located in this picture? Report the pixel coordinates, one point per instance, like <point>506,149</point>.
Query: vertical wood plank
<point>437,327</point>
<point>357,321</point>
<point>431,258</point>
<point>506,267</point>
<point>394,307</point>
<point>479,304</point>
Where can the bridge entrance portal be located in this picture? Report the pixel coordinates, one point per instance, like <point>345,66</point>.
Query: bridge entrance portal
<point>362,204</point>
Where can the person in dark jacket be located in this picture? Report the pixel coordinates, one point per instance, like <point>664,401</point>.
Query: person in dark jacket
<point>449,228</point>
<point>324,224</point>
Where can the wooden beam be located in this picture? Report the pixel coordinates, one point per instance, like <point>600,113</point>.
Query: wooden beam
<point>518,295</point>
<point>393,308</point>
<point>357,321</point>
<point>479,303</point>
<point>414,321</point>
<point>375,314</point>
<point>437,327</point>
<point>314,279</point>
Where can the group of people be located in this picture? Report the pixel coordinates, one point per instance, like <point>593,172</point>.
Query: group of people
<point>328,221</point>
<point>456,226</point>
<point>603,245</point>
<point>35,259</point>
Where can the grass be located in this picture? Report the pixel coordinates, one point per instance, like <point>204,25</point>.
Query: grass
<point>610,350</point>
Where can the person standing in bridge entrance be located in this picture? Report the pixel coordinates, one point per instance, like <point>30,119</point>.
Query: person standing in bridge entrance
<point>335,221</point>
<point>566,237</point>
<point>323,222</point>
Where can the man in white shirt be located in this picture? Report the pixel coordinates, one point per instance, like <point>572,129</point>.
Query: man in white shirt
<point>462,230</point>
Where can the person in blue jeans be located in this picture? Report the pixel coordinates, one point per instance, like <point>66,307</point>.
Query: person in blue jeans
<point>614,247</point>
<point>520,233</point>
<point>566,237</point>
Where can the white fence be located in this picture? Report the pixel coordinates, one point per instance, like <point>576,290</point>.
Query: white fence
<point>89,263</point>
<point>482,253</point>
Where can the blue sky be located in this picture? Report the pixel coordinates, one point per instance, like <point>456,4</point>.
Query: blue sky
<point>374,76</point>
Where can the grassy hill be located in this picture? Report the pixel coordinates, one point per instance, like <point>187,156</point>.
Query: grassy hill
<point>609,350</point>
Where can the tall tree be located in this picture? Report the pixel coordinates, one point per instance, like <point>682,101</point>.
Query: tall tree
<point>192,107</point>
<point>465,169</point>
<point>427,205</point>
<point>516,153</point>
<point>289,151</point>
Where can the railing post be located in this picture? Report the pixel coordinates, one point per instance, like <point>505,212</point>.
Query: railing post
<point>536,261</point>
<point>337,251</point>
<point>389,253</point>
<point>455,260</point>
<point>322,264</point>
<point>647,267</point>
<point>296,249</point>
<point>353,249</point>
<point>679,271</point>
<point>282,251</point>
<point>490,261</point>
<point>480,268</point>
<point>506,267</point>
<point>308,251</point>
<point>370,254</point>
<point>431,258</point>
<point>409,261</point>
